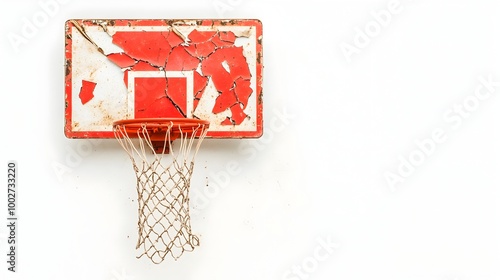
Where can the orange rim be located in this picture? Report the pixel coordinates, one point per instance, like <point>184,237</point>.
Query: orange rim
<point>157,127</point>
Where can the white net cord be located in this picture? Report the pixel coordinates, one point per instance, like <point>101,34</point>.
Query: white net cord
<point>163,182</point>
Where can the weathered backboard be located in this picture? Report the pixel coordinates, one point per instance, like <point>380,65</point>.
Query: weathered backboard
<point>126,69</point>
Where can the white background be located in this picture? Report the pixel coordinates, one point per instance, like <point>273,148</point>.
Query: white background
<point>335,126</point>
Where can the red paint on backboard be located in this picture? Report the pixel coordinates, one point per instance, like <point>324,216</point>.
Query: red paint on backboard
<point>165,98</point>
<point>169,68</point>
<point>87,91</point>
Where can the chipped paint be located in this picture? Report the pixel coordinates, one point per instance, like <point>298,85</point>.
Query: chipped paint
<point>87,91</point>
<point>207,69</point>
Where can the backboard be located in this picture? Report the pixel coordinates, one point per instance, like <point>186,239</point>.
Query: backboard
<point>125,69</point>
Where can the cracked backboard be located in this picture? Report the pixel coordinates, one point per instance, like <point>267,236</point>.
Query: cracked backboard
<point>126,69</point>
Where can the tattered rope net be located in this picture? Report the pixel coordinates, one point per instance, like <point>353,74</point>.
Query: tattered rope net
<point>163,182</point>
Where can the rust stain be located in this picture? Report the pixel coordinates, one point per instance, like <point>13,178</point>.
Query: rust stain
<point>206,52</point>
<point>259,57</point>
<point>82,31</point>
<point>106,118</point>
<point>68,67</point>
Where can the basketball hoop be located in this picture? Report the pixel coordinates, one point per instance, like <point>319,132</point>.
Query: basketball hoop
<point>163,180</point>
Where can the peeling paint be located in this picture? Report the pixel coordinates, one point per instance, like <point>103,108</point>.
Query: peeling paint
<point>68,67</point>
<point>87,91</point>
<point>82,31</point>
<point>212,50</point>
<point>168,50</point>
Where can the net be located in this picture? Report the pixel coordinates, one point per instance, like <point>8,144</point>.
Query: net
<point>163,180</point>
